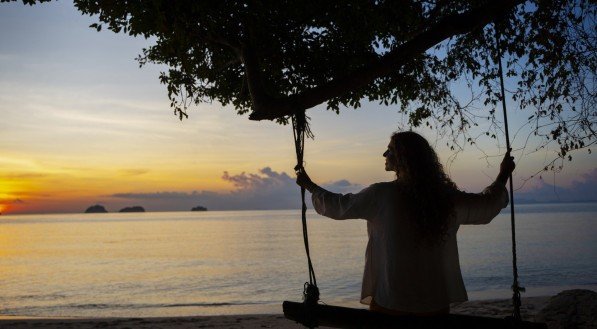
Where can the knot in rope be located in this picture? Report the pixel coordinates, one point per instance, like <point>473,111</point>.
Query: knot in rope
<point>310,294</point>
<point>301,129</point>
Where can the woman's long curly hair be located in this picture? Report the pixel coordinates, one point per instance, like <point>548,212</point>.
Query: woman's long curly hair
<point>426,187</point>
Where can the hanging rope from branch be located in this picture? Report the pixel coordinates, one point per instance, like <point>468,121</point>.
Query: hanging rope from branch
<point>516,288</point>
<point>300,129</point>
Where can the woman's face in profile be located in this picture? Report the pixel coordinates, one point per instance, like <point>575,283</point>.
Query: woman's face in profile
<point>390,157</point>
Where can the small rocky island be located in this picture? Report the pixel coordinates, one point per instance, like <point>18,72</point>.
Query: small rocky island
<point>199,208</point>
<point>98,208</point>
<point>132,209</point>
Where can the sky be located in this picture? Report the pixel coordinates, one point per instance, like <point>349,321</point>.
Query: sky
<point>82,124</point>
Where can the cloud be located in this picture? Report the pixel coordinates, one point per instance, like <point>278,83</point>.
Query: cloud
<point>266,180</point>
<point>25,175</point>
<point>133,171</point>
<point>12,201</point>
<point>343,186</point>
<point>266,189</point>
<point>158,195</point>
<point>583,190</point>
<point>588,184</point>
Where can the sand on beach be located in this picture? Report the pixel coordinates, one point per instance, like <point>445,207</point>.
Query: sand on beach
<point>492,308</point>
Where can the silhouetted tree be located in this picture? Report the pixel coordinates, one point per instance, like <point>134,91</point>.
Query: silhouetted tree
<point>273,58</point>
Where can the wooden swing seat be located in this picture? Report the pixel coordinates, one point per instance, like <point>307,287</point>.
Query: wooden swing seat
<point>343,317</point>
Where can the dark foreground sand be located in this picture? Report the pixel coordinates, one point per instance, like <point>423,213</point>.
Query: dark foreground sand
<point>493,308</point>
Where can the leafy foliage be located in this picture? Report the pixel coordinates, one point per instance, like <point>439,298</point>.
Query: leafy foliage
<point>234,52</point>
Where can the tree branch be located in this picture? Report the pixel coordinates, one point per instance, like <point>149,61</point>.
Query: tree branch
<point>266,107</point>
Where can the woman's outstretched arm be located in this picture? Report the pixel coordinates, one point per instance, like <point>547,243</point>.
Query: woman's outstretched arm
<point>339,206</point>
<point>481,208</point>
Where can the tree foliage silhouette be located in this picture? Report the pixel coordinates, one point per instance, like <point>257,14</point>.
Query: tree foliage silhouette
<point>272,58</point>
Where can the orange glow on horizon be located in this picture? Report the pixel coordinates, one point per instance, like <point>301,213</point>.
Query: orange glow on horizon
<point>28,187</point>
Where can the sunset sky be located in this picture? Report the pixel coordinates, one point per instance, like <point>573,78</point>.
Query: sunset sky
<point>82,124</point>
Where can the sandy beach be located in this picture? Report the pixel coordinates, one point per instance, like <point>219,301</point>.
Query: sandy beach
<point>493,308</point>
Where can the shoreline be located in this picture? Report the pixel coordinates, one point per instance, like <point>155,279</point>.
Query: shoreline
<point>491,308</point>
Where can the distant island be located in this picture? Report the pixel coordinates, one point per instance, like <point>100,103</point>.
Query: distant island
<point>199,208</point>
<point>132,209</point>
<point>98,208</point>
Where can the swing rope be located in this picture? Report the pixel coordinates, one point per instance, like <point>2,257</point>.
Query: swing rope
<point>516,288</point>
<point>300,129</point>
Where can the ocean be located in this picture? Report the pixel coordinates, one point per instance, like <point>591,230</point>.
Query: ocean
<point>235,262</point>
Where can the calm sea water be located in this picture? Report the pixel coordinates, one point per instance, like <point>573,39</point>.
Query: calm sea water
<point>198,263</point>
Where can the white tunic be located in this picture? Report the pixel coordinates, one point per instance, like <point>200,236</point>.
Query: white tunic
<point>400,273</point>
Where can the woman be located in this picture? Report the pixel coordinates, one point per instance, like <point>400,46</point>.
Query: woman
<point>411,261</point>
